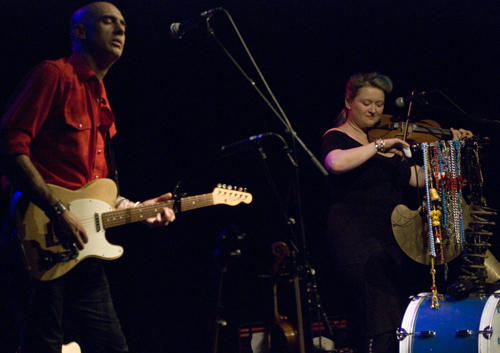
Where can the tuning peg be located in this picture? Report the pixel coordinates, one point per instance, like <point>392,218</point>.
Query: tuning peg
<point>230,187</point>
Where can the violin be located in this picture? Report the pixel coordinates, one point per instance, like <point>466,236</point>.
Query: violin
<point>419,132</point>
<point>283,336</point>
<point>414,133</point>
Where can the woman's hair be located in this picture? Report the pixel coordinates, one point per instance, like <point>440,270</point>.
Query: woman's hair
<point>358,81</point>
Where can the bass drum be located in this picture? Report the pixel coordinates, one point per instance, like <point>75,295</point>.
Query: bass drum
<point>468,325</point>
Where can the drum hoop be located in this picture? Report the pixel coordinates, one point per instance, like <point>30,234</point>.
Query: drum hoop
<point>487,319</point>
<point>408,324</point>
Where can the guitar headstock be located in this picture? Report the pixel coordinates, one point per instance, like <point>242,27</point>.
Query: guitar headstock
<point>230,195</point>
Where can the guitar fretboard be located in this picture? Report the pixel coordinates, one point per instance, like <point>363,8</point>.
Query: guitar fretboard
<point>136,214</point>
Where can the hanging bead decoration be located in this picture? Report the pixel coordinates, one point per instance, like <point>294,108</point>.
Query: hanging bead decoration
<point>424,146</point>
<point>432,220</point>
<point>443,187</point>
<point>458,163</point>
<point>436,204</point>
<point>435,301</point>
<point>455,181</point>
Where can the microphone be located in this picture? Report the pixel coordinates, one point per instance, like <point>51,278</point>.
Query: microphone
<point>243,143</point>
<point>417,97</point>
<point>177,30</point>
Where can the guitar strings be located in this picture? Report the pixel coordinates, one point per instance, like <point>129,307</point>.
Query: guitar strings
<point>122,216</point>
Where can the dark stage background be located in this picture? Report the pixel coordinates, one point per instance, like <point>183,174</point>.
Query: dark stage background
<point>178,101</point>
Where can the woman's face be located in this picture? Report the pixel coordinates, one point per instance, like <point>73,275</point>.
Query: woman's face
<point>366,109</point>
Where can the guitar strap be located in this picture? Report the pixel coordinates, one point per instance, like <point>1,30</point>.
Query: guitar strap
<point>110,157</point>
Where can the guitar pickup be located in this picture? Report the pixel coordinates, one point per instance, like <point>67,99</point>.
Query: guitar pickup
<point>97,221</point>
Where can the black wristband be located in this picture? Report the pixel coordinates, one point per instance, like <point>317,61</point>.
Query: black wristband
<point>59,208</point>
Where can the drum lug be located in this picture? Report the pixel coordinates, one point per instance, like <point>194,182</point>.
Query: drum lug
<point>487,332</point>
<point>401,334</point>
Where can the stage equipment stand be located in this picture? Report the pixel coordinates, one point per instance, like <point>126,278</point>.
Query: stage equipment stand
<point>302,272</point>
<point>228,249</point>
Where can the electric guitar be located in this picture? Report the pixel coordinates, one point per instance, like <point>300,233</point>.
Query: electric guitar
<point>93,204</point>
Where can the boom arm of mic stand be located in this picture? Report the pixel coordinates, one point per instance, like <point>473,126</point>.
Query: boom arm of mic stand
<point>463,114</point>
<point>282,116</point>
<point>311,155</point>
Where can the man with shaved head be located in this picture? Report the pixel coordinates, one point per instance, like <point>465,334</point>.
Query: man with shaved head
<point>57,130</point>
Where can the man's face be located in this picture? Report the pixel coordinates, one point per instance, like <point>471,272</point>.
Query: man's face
<point>106,32</point>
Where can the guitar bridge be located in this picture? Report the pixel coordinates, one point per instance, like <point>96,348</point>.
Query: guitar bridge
<point>47,259</point>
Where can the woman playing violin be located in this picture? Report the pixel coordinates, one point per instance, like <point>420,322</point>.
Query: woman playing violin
<point>368,179</point>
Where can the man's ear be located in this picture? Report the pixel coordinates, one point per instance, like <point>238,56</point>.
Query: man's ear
<point>79,31</point>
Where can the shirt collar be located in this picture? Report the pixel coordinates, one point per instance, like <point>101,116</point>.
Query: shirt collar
<point>81,66</point>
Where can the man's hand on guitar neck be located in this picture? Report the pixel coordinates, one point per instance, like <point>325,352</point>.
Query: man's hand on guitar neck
<point>161,219</point>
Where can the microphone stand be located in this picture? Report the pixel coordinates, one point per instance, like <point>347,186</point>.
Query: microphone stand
<point>300,264</point>
<point>463,115</point>
<point>458,112</point>
<point>281,114</point>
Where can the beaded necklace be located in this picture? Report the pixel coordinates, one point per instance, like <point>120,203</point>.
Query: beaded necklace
<point>435,199</point>
<point>455,188</point>
<point>448,227</point>
<point>433,215</point>
<point>443,187</point>
<point>458,163</point>
<point>424,146</point>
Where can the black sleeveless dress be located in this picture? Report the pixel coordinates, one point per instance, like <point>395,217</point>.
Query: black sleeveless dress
<point>365,254</point>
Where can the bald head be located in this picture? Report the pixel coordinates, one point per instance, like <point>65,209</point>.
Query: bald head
<point>98,34</point>
<point>86,15</point>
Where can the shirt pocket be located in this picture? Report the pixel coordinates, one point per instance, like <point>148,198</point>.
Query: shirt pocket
<point>75,135</point>
<point>77,121</point>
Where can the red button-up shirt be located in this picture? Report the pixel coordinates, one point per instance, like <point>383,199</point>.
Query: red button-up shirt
<point>60,118</point>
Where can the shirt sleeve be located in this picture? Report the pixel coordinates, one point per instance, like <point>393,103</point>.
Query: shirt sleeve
<point>337,140</point>
<point>29,108</point>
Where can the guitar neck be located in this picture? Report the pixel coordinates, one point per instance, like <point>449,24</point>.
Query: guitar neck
<point>136,214</point>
